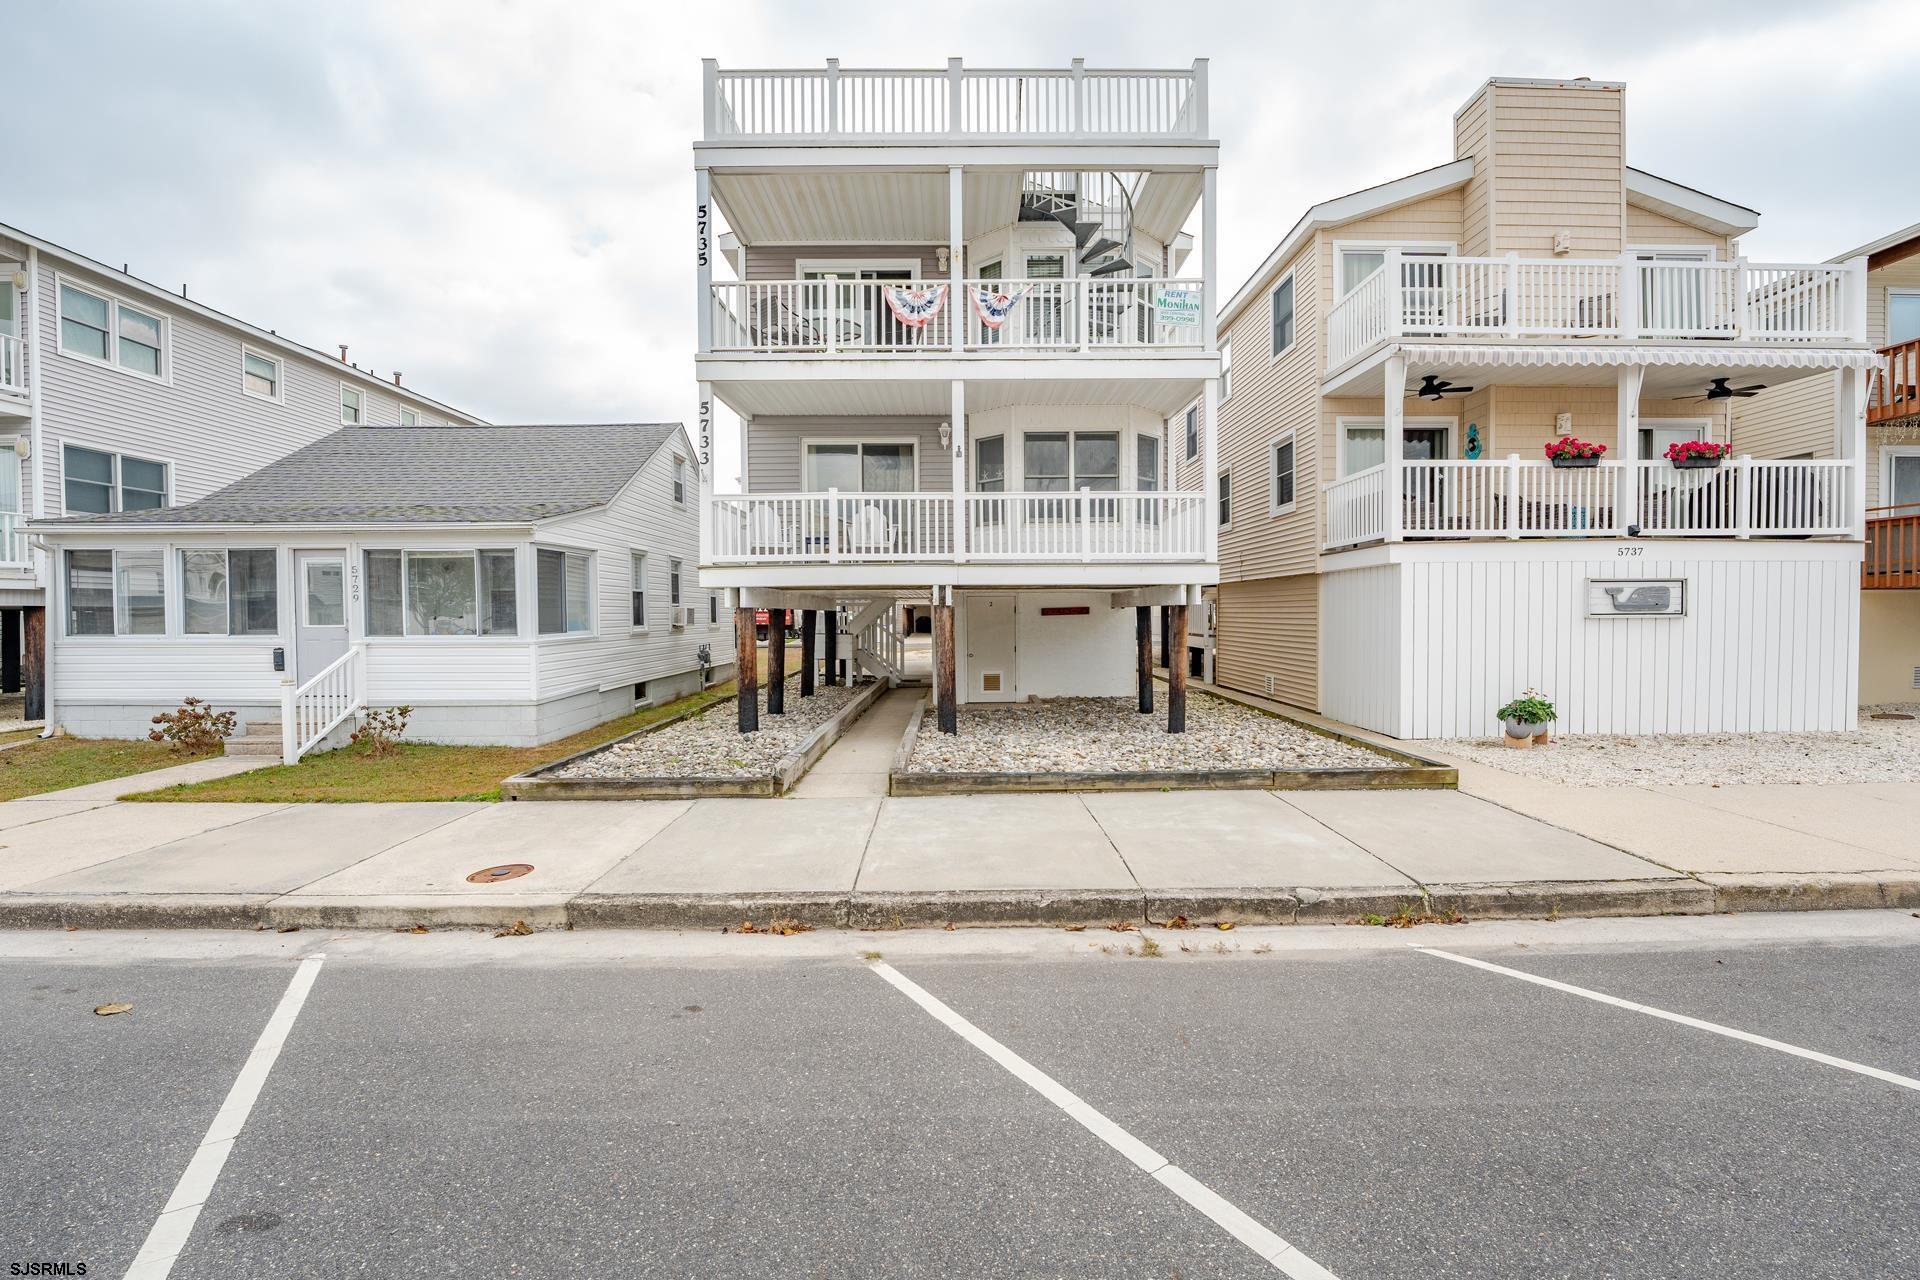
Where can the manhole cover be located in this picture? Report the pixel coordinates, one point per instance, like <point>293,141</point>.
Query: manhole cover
<point>511,871</point>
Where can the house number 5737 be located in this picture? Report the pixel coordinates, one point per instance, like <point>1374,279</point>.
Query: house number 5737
<point>1628,551</point>
<point>700,235</point>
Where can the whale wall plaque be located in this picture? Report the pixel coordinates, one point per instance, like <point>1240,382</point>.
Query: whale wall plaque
<point>1636,597</point>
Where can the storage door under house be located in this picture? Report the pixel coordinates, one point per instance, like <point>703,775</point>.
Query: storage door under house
<point>992,652</point>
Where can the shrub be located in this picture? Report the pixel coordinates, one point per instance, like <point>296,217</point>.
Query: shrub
<point>194,729</point>
<point>381,731</point>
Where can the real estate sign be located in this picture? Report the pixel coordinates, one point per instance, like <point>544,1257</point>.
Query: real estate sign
<point>1178,307</point>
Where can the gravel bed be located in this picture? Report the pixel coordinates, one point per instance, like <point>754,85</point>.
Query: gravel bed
<point>710,745</point>
<point>1879,751</point>
<point>1107,735</point>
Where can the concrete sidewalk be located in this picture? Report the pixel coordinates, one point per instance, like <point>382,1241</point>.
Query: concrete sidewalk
<point>1502,846</point>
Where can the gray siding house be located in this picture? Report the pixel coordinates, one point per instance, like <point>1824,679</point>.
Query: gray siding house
<point>117,395</point>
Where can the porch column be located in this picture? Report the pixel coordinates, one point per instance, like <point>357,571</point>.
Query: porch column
<point>946,713</point>
<point>746,670</point>
<point>9,651</point>
<point>1626,447</point>
<point>1209,236</point>
<point>1166,635</point>
<point>1177,674</point>
<point>776,662</point>
<point>831,617</point>
<point>33,663</point>
<point>809,620</point>
<point>703,463</point>
<point>1210,460</point>
<point>1143,665</point>
<point>958,449</point>
<point>1850,442</point>
<point>956,274</point>
<point>703,256</point>
<point>1394,441</point>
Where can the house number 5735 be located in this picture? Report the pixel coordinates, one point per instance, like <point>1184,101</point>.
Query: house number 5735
<point>700,235</point>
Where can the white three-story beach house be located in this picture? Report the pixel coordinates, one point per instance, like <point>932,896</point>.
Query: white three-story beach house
<point>964,309</point>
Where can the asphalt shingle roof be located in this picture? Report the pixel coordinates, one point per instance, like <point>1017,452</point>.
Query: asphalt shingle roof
<point>426,475</point>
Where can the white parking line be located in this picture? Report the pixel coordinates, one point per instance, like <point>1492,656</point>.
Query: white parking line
<point>175,1223</point>
<point>1237,1224</point>
<point>1732,1033</point>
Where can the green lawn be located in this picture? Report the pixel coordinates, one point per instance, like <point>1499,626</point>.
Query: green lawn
<point>54,764</point>
<point>417,770</point>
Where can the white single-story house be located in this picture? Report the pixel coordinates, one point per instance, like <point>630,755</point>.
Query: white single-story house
<point>511,584</point>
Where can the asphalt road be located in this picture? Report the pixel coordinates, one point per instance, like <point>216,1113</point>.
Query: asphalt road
<point>659,1105</point>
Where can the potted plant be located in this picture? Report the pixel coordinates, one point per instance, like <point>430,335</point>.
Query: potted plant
<point>1696,455</point>
<point>1572,451</point>
<point>1526,718</point>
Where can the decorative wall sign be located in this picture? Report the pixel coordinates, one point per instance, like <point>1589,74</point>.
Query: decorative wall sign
<point>1636,597</point>
<point>1065,611</point>
<point>1473,440</point>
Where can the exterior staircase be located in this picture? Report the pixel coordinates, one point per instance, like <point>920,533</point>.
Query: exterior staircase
<point>1096,207</point>
<point>262,738</point>
<point>879,645</point>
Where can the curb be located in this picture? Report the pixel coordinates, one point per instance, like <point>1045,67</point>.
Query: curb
<point>838,909</point>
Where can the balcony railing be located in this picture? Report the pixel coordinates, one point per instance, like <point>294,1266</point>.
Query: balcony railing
<point>1893,547</point>
<point>1071,103</point>
<point>1745,497</point>
<point>872,528</point>
<point>1895,393</point>
<point>848,317</point>
<point>13,365</point>
<point>1527,298</point>
<point>13,540</point>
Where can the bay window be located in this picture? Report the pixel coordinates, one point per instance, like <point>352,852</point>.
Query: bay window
<point>116,592</point>
<point>441,593</point>
<point>230,593</point>
<point>564,590</point>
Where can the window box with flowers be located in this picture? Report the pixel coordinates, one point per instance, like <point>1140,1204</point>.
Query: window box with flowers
<point>1696,455</point>
<point>1572,451</point>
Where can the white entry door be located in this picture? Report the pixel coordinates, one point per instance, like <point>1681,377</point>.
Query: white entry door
<point>991,651</point>
<point>320,628</point>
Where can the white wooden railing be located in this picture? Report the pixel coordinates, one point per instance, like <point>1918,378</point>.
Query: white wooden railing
<point>836,528</point>
<point>1515,297</point>
<point>884,641</point>
<point>1515,498</point>
<point>834,317</point>
<point>13,541</point>
<point>13,364</point>
<point>315,709</point>
<point>958,102</point>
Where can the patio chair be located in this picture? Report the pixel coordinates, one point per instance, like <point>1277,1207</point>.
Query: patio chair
<point>869,531</point>
<point>767,535</point>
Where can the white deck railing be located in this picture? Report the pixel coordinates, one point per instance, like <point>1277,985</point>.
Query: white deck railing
<point>1744,497</point>
<point>1071,103</point>
<point>850,317</point>
<point>1520,298</point>
<point>315,709</point>
<point>837,528</point>
<point>13,540</point>
<point>13,364</point>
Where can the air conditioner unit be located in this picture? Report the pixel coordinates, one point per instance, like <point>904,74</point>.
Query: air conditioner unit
<point>683,616</point>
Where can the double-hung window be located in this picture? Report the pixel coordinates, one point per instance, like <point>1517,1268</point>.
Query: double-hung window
<point>679,479</point>
<point>1283,316</point>
<point>639,589</point>
<point>1282,461</point>
<point>260,376</point>
<point>673,583</point>
<point>95,326</point>
<point>97,483</point>
<point>116,592</point>
<point>229,593</point>
<point>441,593</point>
<point>1226,370</point>
<point>409,417</point>
<point>563,582</point>
<point>1226,498</point>
<point>349,405</point>
<point>1193,433</point>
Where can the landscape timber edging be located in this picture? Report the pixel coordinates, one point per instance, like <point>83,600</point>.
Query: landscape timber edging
<point>538,784</point>
<point>1412,773</point>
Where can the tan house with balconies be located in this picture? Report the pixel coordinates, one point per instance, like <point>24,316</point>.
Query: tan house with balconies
<point>1399,551</point>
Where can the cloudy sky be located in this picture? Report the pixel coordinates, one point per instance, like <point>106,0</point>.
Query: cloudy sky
<point>493,195</point>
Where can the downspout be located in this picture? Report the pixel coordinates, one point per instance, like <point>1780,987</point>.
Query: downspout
<point>36,370</point>
<point>49,716</point>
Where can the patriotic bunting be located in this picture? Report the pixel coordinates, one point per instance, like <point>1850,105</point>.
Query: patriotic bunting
<point>912,305</point>
<point>993,306</point>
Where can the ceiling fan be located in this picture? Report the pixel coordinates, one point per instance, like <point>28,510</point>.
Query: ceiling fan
<point>1432,388</point>
<point>1719,390</point>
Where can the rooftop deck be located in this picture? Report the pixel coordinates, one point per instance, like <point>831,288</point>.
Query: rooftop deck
<point>866,105</point>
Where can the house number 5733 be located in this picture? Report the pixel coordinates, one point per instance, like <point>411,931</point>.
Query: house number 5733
<point>700,235</point>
